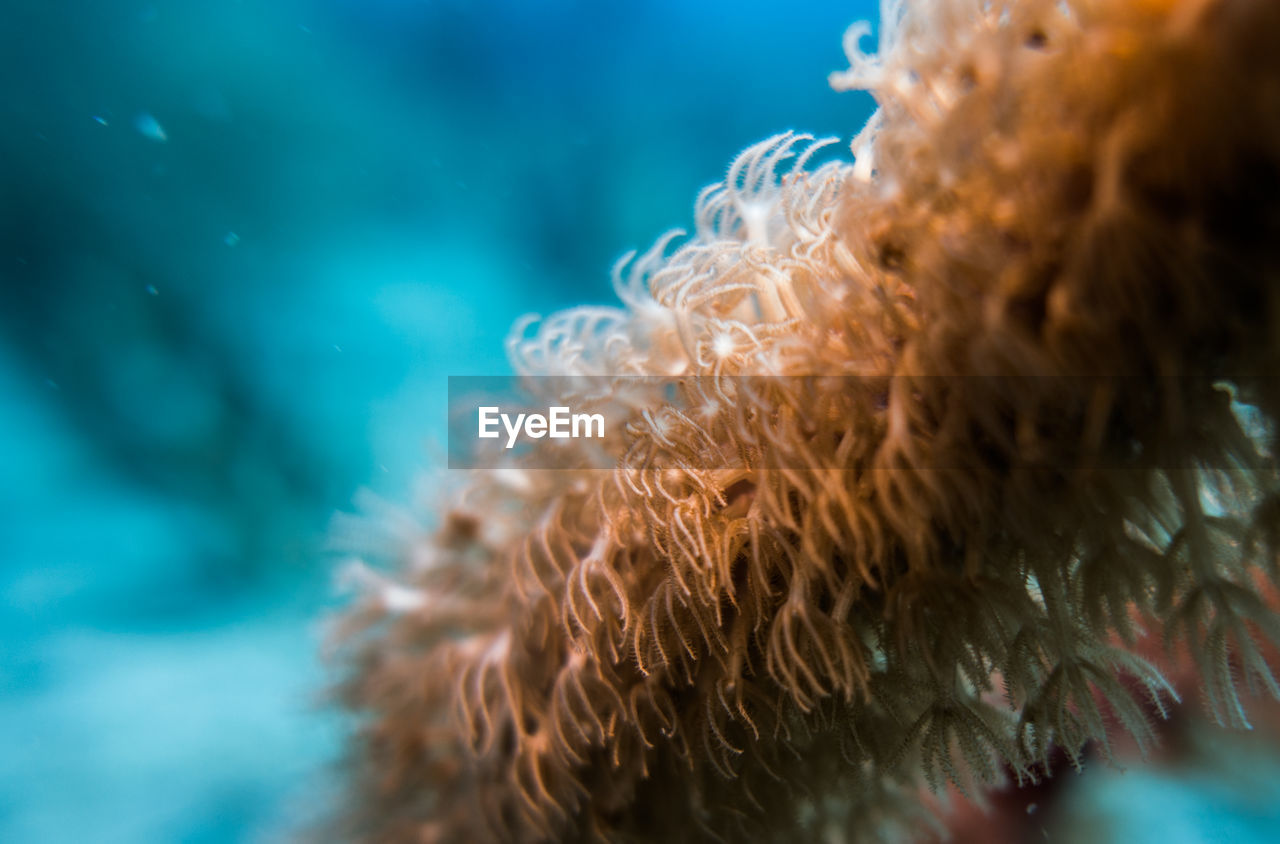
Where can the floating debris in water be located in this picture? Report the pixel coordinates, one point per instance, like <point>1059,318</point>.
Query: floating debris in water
<point>150,128</point>
<point>100,120</point>
<point>151,288</point>
<point>231,239</point>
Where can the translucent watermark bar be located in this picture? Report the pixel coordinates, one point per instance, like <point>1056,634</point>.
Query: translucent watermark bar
<point>851,422</point>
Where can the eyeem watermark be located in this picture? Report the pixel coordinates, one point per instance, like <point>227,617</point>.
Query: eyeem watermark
<point>559,423</point>
<point>825,422</point>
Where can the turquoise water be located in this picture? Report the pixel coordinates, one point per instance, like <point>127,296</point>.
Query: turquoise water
<point>241,246</point>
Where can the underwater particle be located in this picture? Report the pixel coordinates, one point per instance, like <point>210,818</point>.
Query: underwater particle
<point>231,239</point>
<point>151,289</point>
<point>100,120</point>
<point>150,128</point>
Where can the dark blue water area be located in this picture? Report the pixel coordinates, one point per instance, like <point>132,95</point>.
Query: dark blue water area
<point>242,246</point>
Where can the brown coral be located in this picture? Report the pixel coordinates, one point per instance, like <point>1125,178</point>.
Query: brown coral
<point>1052,269</point>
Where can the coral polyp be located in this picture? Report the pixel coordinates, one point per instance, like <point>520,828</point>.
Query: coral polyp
<point>991,436</point>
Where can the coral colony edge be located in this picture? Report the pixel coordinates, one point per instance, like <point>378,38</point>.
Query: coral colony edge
<point>1070,197</point>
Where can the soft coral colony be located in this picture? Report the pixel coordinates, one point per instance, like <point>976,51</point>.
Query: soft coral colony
<point>1070,198</point>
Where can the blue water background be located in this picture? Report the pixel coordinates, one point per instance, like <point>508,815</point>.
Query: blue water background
<point>242,244</point>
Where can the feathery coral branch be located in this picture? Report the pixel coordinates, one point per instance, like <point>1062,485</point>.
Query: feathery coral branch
<point>1053,268</point>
